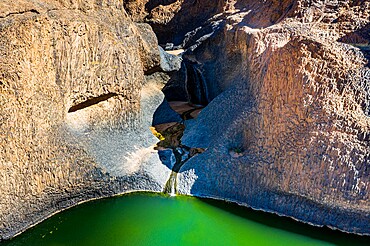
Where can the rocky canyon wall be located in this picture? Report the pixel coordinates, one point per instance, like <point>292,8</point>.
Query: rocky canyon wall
<point>293,102</point>
<point>286,128</point>
<point>75,107</point>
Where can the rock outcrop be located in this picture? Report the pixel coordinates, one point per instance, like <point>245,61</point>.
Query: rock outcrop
<point>287,129</point>
<point>285,87</point>
<point>75,107</point>
<point>291,97</point>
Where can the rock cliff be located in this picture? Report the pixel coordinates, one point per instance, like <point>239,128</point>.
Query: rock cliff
<point>287,125</point>
<point>75,107</point>
<point>291,93</point>
<point>286,119</point>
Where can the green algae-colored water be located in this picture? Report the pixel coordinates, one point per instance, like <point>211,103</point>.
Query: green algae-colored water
<point>153,219</point>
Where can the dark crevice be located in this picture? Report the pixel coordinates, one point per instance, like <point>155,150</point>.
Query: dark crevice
<point>187,114</point>
<point>184,20</point>
<point>189,84</point>
<point>196,84</point>
<point>171,142</point>
<point>172,153</point>
<point>91,101</point>
<point>153,70</point>
<point>21,12</point>
<point>186,93</point>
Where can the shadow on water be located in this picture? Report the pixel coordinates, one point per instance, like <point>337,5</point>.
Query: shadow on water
<point>287,224</point>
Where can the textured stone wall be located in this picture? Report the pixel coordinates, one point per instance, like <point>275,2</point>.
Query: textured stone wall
<point>290,90</point>
<point>295,99</point>
<point>56,56</point>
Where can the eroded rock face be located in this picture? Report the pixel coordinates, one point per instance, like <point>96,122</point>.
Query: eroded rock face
<point>177,21</point>
<point>294,99</point>
<point>286,128</point>
<point>75,108</point>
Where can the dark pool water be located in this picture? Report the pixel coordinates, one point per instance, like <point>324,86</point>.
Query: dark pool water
<point>153,219</point>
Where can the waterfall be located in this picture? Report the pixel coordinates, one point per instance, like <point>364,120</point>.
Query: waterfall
<point>181,154</point>
<point>189,84</point>
<point>196,84</point>
<point>171,187</point>
<point>188,91</point>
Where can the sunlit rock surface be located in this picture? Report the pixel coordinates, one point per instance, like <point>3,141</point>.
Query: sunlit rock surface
<point>286,127</point>
<point>293,103</point>
<point>75,109</point>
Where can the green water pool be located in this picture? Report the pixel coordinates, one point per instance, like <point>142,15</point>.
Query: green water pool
<point>154,219</point>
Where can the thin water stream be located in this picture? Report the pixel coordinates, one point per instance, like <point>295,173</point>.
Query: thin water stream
<point>196,84</point>
<point>171,184</point>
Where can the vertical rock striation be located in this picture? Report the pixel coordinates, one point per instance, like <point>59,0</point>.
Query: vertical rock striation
<point>286,128</point>
<point>292,96</point>
<point>74,107</point>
